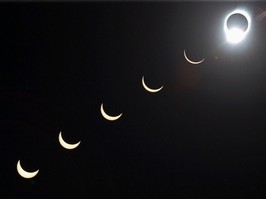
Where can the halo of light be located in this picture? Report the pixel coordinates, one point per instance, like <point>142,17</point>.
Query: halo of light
<point>235,35</point>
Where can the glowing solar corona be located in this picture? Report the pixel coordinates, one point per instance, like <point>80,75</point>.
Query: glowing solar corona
<point>235,35</point>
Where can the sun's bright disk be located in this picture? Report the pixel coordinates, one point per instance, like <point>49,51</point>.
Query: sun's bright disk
<point>235,35</point>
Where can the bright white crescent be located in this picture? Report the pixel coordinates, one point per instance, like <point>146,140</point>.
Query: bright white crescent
<point>192,62</point>
<point>149,89</point>
<point>65,144</point>
<point>25,174</point>
<point>109,117</point>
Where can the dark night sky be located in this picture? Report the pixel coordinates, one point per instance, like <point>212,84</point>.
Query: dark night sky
<point>202,136</point>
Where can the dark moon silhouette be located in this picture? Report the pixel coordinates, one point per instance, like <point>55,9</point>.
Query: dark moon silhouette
<point>237,20</point>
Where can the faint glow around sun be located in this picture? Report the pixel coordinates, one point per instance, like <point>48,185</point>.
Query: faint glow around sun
<point>235,35</point>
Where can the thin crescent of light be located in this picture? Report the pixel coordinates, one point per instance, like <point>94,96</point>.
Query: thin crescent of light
<point>65,144</point>
<point>192,62</point>
<point>149,89</point>
<point>25,174</point>
<point>109,117</point>
<point>238,11</point>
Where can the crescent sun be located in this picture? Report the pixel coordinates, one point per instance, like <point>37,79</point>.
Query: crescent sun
<point>65,144</point>
<point>109,117</point>
<point>192,62</point>
<point>149,89</point>
<point>25,174</point>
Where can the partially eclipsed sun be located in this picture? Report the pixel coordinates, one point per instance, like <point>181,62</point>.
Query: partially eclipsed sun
<point>25,174</point>
<point>150,89</point>
<point>109,117</point>
<point>235,35</point>
<point>190,61</point>
<point>65,144</point>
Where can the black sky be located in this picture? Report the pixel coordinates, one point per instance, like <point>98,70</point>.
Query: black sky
<point>202,136</point>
